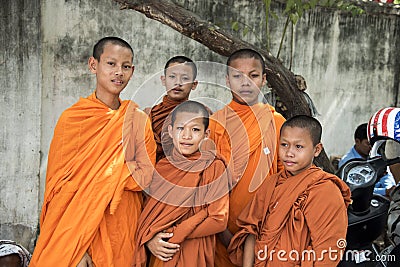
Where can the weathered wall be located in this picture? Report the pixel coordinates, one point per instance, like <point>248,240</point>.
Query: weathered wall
<point>350,63</point>
<point>20,80</point>
<point>352,68</point>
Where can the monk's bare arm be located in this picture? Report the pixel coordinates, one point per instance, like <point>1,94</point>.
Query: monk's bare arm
<point>248,251</point>
<point>278,120</point>
<point>86,261</point>
<point>225,237</point>
<point>141,153</point>
<point>162,249</point>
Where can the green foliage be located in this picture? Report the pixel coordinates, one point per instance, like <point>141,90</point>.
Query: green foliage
<point>239,26</point>
<point>294,10</point>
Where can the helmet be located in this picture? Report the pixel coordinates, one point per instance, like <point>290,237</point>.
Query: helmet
<point>384,127</point>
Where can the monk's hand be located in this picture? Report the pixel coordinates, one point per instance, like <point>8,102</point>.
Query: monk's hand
<point>160,248</point>
<point>86,261</point>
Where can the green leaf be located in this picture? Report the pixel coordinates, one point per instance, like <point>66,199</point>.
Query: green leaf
<point>245,31</point>
<point>300,13</point>
<point>274,15</point>
<point>290,4</point>
<point>313,3</point>
<point>294,18</point>
<point>235,26</point>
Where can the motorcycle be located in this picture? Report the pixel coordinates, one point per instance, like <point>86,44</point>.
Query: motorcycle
<point>368,212</point>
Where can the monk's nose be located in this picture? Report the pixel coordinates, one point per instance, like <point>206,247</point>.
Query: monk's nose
<point>118,71</point>
<point>186,134</point>
<point>289,152</point>
<point>245,80</point>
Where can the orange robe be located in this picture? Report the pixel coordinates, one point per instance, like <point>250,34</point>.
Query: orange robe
<point>189,197</point>
<point>248,137</point>
<point>295,214</point>
<point>158,114</point>
<point>99,160</point>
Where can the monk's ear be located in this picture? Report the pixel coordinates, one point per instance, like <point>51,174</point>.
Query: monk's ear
<point>194,84</point>
<point>92,63</point>
<point>207,133</point>
<point>318,149</point>
<point>170,131</point>
<point>132,71</point>
<point>264,79</point>
<point>162,78</point>
<point>228,84</point>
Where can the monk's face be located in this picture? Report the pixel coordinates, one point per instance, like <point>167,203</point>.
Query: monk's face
<point>245,78</point>
<point>113,70</point>
<point>296,149</point>
<point>187,132</point>
<point>179,81</point>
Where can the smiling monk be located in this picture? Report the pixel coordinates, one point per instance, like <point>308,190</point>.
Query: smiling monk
<point>100,158</point>
<point>188,202</point>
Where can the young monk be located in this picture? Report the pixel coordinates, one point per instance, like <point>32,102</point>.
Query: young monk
<point>179,80</point>
<point>188,201</point>
<point>246,133</point>
<point>93,195</point>
<point>298,215</point>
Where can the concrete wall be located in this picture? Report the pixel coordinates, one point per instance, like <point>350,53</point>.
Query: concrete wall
<point>20,116</point>
<point>350,63</point>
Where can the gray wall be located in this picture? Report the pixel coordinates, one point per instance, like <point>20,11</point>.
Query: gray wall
<point>350,63</point>
<point>20,113</point>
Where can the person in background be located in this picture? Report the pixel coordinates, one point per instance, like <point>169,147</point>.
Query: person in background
<point>13,254</point>
<point>360,150</point>
<point>387,128</point>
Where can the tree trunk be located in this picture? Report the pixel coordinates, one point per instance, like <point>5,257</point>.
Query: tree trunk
<point>280,79</point>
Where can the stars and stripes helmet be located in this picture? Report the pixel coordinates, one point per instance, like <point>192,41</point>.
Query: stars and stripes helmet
<point>384,127</point>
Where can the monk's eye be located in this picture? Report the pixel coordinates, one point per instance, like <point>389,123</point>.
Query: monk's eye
<point>284,145</point>
<point>299,146</point>
<point>127,67</point>
<point>254,76</point>
<point>110,63</point>
<point>179,128</point>
<point>171,76</point>
<point>196,129</point>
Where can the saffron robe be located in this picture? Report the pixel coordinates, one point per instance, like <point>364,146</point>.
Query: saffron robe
<point>99,161</point>
<point>247,136</point>
<point>188,197</point>
<point>158,114</point>
<point>295,214</point>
